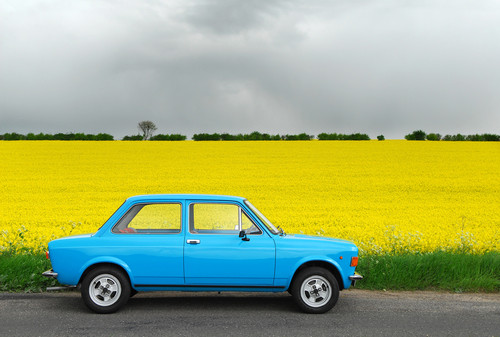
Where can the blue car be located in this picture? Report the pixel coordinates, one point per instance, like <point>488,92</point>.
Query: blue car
<point>200,243</point>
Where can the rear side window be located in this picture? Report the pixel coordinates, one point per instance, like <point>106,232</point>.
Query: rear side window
<point>151,219</point>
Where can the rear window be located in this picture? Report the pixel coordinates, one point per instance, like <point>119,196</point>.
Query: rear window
<point>160,218</point>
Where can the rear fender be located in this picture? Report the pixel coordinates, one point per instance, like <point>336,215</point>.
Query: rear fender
<point>106,260</point>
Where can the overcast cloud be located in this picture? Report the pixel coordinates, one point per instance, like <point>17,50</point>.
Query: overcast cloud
<point>378,67</point>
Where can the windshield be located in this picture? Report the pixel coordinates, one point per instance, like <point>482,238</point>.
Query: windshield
<point>262,218</point>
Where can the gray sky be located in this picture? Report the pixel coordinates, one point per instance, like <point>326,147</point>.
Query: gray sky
<point>378,67</point>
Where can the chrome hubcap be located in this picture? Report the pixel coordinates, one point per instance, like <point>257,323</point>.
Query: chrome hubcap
<point>105,290</point>
<point>316,291</point>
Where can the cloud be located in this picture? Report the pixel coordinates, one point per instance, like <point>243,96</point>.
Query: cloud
<point>230,66</point>
<point>229,17</point>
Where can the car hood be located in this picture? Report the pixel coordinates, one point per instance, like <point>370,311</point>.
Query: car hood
<point>315,243</point>
<point>316,238</point>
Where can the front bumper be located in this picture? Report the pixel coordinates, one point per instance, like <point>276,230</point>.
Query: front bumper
<point>50,273</point>
<point>354,278</point>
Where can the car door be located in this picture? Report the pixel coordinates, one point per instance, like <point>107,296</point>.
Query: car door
<point>149,239</point>
<point>215,254</point>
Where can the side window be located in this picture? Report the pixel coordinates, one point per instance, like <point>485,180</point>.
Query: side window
<point>214,218</point>
<point>151,219</point>
<point>206,218</point>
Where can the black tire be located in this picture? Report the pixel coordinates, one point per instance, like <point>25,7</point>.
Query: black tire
<point>315,290</point>
<point>105,289</point>
<point>133,292</point>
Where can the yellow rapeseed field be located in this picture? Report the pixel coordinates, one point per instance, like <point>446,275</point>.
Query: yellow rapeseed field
<point>387,197</point>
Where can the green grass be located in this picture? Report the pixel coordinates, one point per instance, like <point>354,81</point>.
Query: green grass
<point>433,271</point>
<point>23,273</point>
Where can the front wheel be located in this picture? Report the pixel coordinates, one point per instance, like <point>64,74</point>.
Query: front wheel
<point>315,290</point>
<point>105,289</point>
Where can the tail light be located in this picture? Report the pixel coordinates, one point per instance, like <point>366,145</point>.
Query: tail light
<point>354,261</point>
<point>47,255</point>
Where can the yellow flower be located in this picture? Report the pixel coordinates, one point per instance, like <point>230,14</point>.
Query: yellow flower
<point>387,197</point>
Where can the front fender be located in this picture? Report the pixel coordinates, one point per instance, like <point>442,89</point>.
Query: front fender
<point>321,259</point>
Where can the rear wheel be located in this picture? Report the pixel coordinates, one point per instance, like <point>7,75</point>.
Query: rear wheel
<point>315,290</point>
<point>105,289</point>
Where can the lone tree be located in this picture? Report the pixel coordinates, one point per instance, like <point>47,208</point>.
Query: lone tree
<point>147,128</point>
<point>416,135</point>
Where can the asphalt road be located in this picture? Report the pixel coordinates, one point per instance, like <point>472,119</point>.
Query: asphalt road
<point>357,313</point>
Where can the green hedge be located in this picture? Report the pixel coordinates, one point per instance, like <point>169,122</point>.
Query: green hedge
<point>341,136</point>
<point>421,135</point>
<point>251,136</point>
<point>172,137</point>
<point>57,136</point>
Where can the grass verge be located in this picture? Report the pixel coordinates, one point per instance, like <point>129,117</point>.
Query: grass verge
<point>23,273</point>
<point>433,271</point>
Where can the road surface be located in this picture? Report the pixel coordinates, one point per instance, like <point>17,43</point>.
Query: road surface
<point>357,313</point>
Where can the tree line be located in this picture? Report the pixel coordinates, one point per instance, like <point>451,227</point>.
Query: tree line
<point>251,136</point>
<point>422,135</point>
<point>172,137</point>
<point>178,137</point>
<point>57,136</point>
<point>260,136</point>
<point>148,135</point>
<point>341,136</point>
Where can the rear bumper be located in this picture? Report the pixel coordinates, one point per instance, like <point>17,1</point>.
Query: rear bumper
<point>354,278</point>
<point>50,273</point>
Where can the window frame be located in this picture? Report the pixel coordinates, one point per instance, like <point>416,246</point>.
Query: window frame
<point>148,233</point>
<point>192,230</point>
<point>265,221</point>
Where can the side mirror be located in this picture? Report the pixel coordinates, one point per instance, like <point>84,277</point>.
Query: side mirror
<point>243,236</point>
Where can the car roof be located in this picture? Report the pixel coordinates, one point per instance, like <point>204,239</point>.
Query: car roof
<point>148,197</point>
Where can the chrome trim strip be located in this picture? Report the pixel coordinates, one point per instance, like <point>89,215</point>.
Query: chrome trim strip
<point>204,286</point>
<point>50,273</point>
<point>60,288</point>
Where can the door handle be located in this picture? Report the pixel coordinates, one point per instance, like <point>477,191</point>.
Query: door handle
<point>193,242</point>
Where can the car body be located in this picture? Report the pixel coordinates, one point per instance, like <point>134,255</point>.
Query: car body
<point>190,242</point>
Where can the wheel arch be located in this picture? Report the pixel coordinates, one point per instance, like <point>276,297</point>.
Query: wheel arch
<point>331,267</point>
<point>91,266</point>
